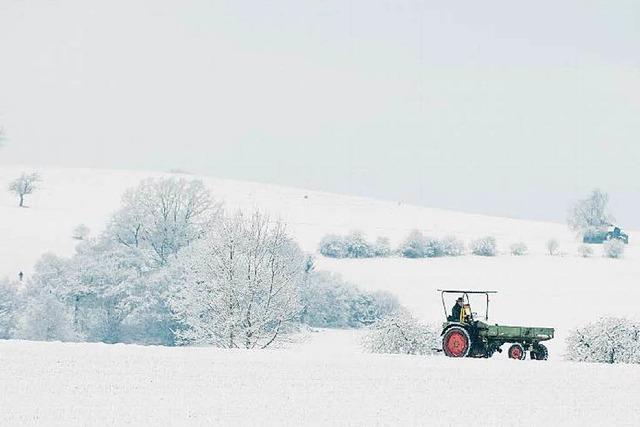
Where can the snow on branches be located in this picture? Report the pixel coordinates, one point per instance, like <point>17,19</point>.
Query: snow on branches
<point>400,333</point>
<point>609,340</point>
<point>239,286</point>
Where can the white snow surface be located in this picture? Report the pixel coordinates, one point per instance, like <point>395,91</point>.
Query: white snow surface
<point>326,380</point>
<point>311,384</point>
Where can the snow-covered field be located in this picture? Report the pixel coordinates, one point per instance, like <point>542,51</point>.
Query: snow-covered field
<point>98,384</point>
<point>327,379</point>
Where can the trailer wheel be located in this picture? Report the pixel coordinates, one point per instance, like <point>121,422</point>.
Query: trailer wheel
<point>456,342</point>
<point>539,352</point>
<point>516,351</point>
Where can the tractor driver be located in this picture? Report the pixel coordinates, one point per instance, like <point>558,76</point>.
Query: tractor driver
<point>456,310</point>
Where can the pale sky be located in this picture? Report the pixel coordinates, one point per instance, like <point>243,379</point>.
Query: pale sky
<point>500,107</point>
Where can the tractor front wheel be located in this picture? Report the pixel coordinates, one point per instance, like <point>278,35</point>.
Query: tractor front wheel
<point>539,352</point>
<point>456,342</point>
<point>516,351</point>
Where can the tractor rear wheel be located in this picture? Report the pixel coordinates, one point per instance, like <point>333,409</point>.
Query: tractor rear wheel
<point>516,351</point>
<point>539,352</point>
<point>456,342</point>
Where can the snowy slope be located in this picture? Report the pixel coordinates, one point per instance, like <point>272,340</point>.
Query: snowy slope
<point>536,289</point>
<point>98,384</point>
<point>72,196</point>
<point>327,380</point>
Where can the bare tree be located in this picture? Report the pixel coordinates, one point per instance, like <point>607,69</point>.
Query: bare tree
<point>590,215</point>
<point>23,185</point>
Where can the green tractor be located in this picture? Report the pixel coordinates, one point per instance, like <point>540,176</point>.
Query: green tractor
<point>463,335</point>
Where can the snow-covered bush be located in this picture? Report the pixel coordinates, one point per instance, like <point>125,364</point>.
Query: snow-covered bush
<point>382,247</point>
<point>485,246</point>
<point>609,340</point>
<point>552,246</point>
<point>585,251</point>
<point>400,333</point>
<point>357,246</point>
<point>354,245</point>
<point>433,248</point>
<point>81,232</point>
<point>240,284</point>
<point>417,245</point>
<point>333,246</point>
<point>518,249</point>
<point>613,248</point>
<point>8,309</point>
<point>330,302</point>
<point>413,246</point>
<point>451,246</point>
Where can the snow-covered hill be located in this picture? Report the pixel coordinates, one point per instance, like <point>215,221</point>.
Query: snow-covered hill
<point>560,291</point>
<point>68,197</point>
<point>328,380</point>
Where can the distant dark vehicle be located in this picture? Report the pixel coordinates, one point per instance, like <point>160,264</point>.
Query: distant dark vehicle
<point>602,236</point>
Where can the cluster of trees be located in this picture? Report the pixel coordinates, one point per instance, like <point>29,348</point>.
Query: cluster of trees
<point>330,302</point>
<point>172,268</point>
<point>354,245</point>
<point>608,340</point>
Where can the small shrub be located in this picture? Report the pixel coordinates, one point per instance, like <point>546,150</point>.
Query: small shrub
<point>333,246</point>
<point>485,246</point>
<point>553,247</point>
<point>585,251</point>
<point>452,246</point>
<point>519,249</point>
<point>400,333</point>
<point>382,247</point>
<point>613,248</point>
<point>609,340</point>
<point>357,246</point>
<point>432,248</point>
<point>414,245</point>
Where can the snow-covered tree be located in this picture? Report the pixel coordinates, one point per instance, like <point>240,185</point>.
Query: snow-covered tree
<point>163,215</point>
<point>484,246</point>
<point>414,245</point>
<point>589,215</point>
<point>400,333</point>
<point>613,248</point>
<point>330,302</point>
<point>24,185</point>
<point>326,300</point>
<point>8,309</point>
<point>518,249</point>
<point>240,284</point>
<point>81,232</point>
<point>45,318</point>
<point>552,246</point>
<point>608,340</point>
